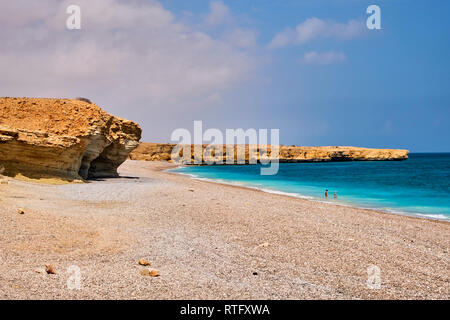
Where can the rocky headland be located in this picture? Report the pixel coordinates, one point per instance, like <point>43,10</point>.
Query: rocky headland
<point>162,152</point>
<point>69,139</point>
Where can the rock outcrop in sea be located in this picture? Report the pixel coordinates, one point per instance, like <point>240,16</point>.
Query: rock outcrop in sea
<point>161,151</point>
<point>62,138</point>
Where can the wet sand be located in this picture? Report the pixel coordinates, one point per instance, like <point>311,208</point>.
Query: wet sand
<point>208,241</point>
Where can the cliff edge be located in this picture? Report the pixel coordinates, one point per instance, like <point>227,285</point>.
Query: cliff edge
<point>62,138</point>
<point>162,151</point>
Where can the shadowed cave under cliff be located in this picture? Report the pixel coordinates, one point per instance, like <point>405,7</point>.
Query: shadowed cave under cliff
<point>102,164</point>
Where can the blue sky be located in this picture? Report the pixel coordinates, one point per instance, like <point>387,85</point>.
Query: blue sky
<point>167,63</point>
<point>392,90</point>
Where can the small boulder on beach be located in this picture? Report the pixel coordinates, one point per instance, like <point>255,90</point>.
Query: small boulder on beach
<point>150,272</point>
<point>49,269</point>
<point>144,262</point>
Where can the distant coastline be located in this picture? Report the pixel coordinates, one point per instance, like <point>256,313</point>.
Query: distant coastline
<point>287,154</point>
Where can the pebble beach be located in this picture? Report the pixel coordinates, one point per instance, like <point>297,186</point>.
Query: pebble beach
<point>208,241</point>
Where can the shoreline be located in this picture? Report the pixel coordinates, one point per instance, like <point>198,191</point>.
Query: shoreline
<point>308,198</point>
<point>209,241</point>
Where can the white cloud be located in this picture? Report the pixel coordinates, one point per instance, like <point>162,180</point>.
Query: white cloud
<point>324,58</point>
<point>126,51</point>
<point>315,28</point>
<point>283,39</point>
<point>219,14</point>
<point>242,37</point>
<point>222,21</point>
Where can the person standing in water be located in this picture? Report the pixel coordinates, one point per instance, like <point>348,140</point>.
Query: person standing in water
<point>335,195</point>
<point>326,193</point>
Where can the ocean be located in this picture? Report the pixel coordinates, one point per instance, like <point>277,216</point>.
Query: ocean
<point>417,186</point>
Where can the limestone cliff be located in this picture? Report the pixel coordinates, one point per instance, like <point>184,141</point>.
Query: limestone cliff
<point>160,151</point>
<point>62,138</point>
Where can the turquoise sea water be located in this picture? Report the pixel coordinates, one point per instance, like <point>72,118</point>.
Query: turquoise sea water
<point>418,186</point>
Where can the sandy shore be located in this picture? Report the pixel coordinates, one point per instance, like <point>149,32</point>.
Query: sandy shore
<point>208,241</point>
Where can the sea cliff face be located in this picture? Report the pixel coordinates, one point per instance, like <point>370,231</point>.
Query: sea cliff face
<point>340,153</point>
<point>160,151</point>
<point>68,139</point>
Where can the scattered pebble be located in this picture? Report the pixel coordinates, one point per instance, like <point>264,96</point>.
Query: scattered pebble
<point>49,269</point>
<point>144,262</point>
<point>150,272</point>
<point>255,273</point>
<point>264,245</point>
<point>21,211</point>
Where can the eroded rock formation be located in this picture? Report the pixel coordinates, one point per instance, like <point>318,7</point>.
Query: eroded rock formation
<point>152,152</point>
<point>160,151</point>
<point>62,138</point>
